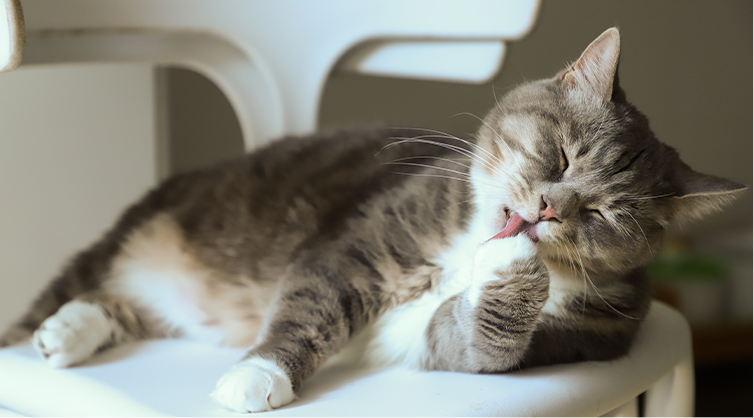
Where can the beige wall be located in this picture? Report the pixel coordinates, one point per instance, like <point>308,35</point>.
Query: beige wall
<point>201,125</point>
<point>687,64</point>
<point>76,146</point>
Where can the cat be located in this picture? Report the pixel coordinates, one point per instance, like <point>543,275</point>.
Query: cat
<point>526,246</point>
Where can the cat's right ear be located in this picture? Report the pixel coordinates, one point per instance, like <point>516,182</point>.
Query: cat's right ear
<point>698,194</point>
<point>595,71</point>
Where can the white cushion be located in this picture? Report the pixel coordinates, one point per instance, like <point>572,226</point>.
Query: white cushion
<point>173,377</point>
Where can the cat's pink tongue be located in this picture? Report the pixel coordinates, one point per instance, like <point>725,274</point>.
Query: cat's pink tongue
<point>516,225</point>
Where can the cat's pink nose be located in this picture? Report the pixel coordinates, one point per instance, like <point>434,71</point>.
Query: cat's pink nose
<point>548,213</point>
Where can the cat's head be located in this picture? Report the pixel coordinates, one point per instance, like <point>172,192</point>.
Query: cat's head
<point>580,165</point>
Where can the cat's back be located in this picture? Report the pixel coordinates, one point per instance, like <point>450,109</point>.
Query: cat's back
<point>265,203</point>
<point>323,166</point>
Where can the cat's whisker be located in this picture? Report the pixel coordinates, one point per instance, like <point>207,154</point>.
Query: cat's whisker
<point>572,263</point>
<point>646,197</point>
<point>521,184</point>
<point>461,202</point>
<point>570,258</point>
<point>492,161</point>
<point>482,159</point>
<point>484,122</point>
<point>450,170</point>
<point>423,139</point>
<point>500,137</point>
<point>493,194</point>
<point>450,136</point>
<point>596,290</point>
<point>430,157</point>
<point>497,102</point>
<point>477,147</point>
<point>640,228</point>
<point>431,175</point>
<point>472,156</point>
<point>619,227</point>
<point>465,175</point>
<point>455,148</point>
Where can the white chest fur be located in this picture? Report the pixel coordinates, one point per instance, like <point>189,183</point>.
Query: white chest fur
<point>398,337</point>
<point>564,285</point>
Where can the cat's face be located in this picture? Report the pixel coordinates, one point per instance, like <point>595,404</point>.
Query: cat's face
<point>580,166</point>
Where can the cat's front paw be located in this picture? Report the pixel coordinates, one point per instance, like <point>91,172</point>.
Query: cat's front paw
<point>500,259</point>
<point>72,335</point>
<point>499,254</point>
<point>254,385</point>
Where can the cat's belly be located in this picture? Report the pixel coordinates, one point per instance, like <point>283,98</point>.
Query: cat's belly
<point>174,290</point>
<point>397,337</point>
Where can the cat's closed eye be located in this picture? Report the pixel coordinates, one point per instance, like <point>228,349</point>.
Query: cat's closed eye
<point>563,163</point>
<point>596,213</point>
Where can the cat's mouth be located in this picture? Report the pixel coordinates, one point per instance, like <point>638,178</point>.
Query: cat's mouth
<point>514,225</point>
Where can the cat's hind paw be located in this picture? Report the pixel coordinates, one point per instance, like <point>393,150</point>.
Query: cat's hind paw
<point>254,385</point>
<point>72,335</point>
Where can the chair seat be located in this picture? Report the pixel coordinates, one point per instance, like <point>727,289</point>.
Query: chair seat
<point>174,377</point>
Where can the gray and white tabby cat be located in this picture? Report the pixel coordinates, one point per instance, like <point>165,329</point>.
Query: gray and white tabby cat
<point>525,247</point>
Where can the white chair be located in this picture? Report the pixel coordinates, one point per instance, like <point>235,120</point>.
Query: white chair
<point>272,58</point>
<point>170,377</point>
<point>248,49</point>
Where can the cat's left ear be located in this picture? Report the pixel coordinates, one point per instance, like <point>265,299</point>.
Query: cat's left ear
<point>700,194</point>
<point>595,71</point>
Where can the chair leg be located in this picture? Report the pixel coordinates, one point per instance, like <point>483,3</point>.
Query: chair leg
<point>673,395</point>
<point>628,409</point>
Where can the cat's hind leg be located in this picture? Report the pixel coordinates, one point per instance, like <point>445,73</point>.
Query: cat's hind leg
<point>313,317</point>
<point>85,325</point>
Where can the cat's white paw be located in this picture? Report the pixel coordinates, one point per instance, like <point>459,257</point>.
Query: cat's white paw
<point>254,385</point>
<point>496,256</point>
<point>72,335</point>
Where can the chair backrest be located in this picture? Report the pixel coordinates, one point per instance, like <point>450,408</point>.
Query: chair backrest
<point>271,59</point>
<point>11,35</point>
